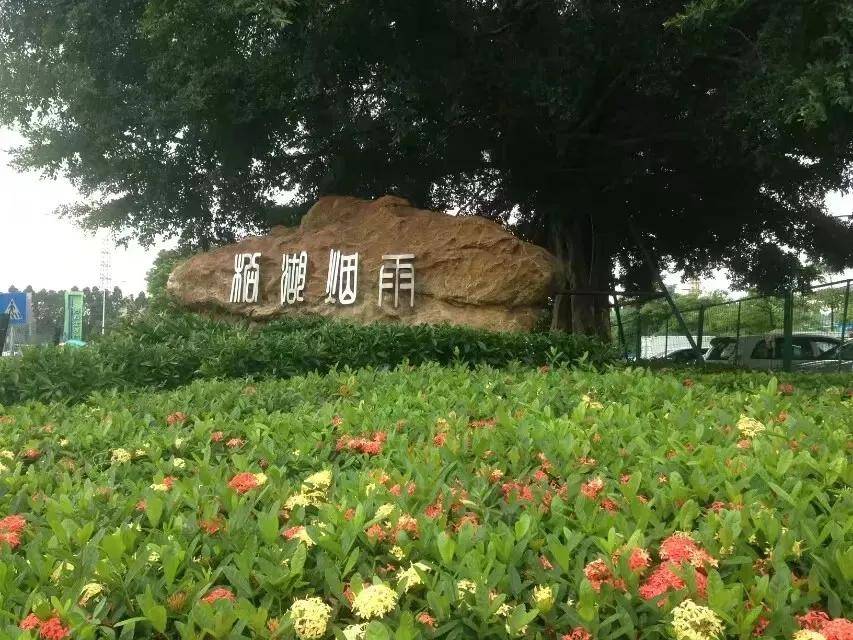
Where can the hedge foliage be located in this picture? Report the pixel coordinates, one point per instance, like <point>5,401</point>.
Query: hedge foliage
<point>497,504</point>
<point>168,350</point>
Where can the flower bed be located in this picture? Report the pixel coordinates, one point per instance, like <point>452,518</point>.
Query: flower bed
<point>432,502</point>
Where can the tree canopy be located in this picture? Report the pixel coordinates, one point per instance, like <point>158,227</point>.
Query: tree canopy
<point>716,128</point>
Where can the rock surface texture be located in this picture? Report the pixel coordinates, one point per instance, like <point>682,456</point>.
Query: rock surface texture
<point>467,270</point>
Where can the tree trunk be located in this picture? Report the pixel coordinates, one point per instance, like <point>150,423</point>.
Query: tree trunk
<point>584,264</point>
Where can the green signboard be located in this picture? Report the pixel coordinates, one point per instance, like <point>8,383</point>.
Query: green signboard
<point>73,315</point>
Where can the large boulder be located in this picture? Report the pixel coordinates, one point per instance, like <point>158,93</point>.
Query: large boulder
<point>467,270</point>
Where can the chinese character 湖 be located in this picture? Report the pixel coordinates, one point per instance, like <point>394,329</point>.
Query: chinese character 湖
<point>342,282</point>
<point>294,268</point>
<point>397,274</point>
<point>244,283</point>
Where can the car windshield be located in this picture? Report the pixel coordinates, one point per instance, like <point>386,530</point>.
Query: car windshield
<point>837,352</point>
<point>718,346</point>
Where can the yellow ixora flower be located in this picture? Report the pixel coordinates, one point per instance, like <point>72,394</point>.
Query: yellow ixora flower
<point>384,511</point>
<point>355,631</point>
<point>261,478</point>
<point>179,463</point>
<point>120,456</point>
<point>8,455</point>
<point>410,578</point>
<point>397,552</point>
<point>589,403</point>
<point>749,427</point>
<point>61,568</point>
<point>374,601</point>
<point>321,480</point>
<point>691,621</point>
<point>90,591</point>
<point>310,617</point>
<point>465,586</point>
<point>543,598</point>
<point>808,634</point>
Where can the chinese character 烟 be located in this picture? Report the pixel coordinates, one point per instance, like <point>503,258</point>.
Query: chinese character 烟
<point>342,282</point>
<point>397,274</point>
<point>244,283</point>
<point>294,268</point>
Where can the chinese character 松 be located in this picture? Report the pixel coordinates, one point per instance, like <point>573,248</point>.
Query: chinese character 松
<point>342,282</point>
<point>397,274</point>
<point>294,268</point>
<point>244,283</point>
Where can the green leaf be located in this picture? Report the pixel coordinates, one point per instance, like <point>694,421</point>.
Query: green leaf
<point>522,526</point>
<point>446,547</point>
<point>376,631</point>
<point>113,546</point>
<point>153,510</point>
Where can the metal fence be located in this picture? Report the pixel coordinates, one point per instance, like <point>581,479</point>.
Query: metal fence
<point>780,332</point>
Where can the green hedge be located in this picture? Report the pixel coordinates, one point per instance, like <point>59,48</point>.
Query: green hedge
<point>167,350</point>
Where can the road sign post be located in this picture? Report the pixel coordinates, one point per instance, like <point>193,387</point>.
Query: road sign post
<point>73,315</point>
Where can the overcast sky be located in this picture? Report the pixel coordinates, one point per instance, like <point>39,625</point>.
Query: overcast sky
<point>44,251</point>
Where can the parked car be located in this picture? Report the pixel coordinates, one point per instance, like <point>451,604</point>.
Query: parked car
<point>684,355</point>
<point>765,351</point>
<point>837,359</point>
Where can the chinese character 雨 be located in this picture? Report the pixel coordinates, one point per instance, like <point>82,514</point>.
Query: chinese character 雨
<point>342,282</point>
<point>294,268</point>
<point>397,274</point>
<point>244,284</point>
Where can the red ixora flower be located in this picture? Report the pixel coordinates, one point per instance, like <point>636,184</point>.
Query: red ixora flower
<point>665,578</point>
<point>11,528</point>
<point>32,454</point>
<point>32,621</point>
<point>371,446</point>
<point>434,510</point>
<point>609,505</point>
<point>219,593</point>
<point>687,382</point>
<point>599,574</point>
<point>52,629</point>
<point>235,443</point>
<point>214,525</point>
<point>243,482</point>
<point>289,534</point>
<point>426,619</point>
<point>178,417</point>
<point>578,633</point>
<point>813,620</point>
<point>439,439</point>
<point>838,629</point>
<point>592,488</point>
<point>786,389</point>
<point>217,436</point>
<point>680,547</point>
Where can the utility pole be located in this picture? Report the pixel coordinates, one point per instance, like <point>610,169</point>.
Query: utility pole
<point>105,275</point>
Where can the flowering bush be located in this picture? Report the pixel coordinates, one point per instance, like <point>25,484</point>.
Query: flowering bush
<point>432,502</point>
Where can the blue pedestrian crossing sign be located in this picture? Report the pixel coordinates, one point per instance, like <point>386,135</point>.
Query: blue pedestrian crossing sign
<point>16,307</point>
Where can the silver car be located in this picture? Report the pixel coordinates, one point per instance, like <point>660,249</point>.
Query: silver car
<point>765,351</point>
<point>838,359</point>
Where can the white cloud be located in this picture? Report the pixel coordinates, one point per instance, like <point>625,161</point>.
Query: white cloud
<point>42,250</point>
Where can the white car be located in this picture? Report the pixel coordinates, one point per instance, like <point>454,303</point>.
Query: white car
<point>837,360</point>
<point>765,351</point>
